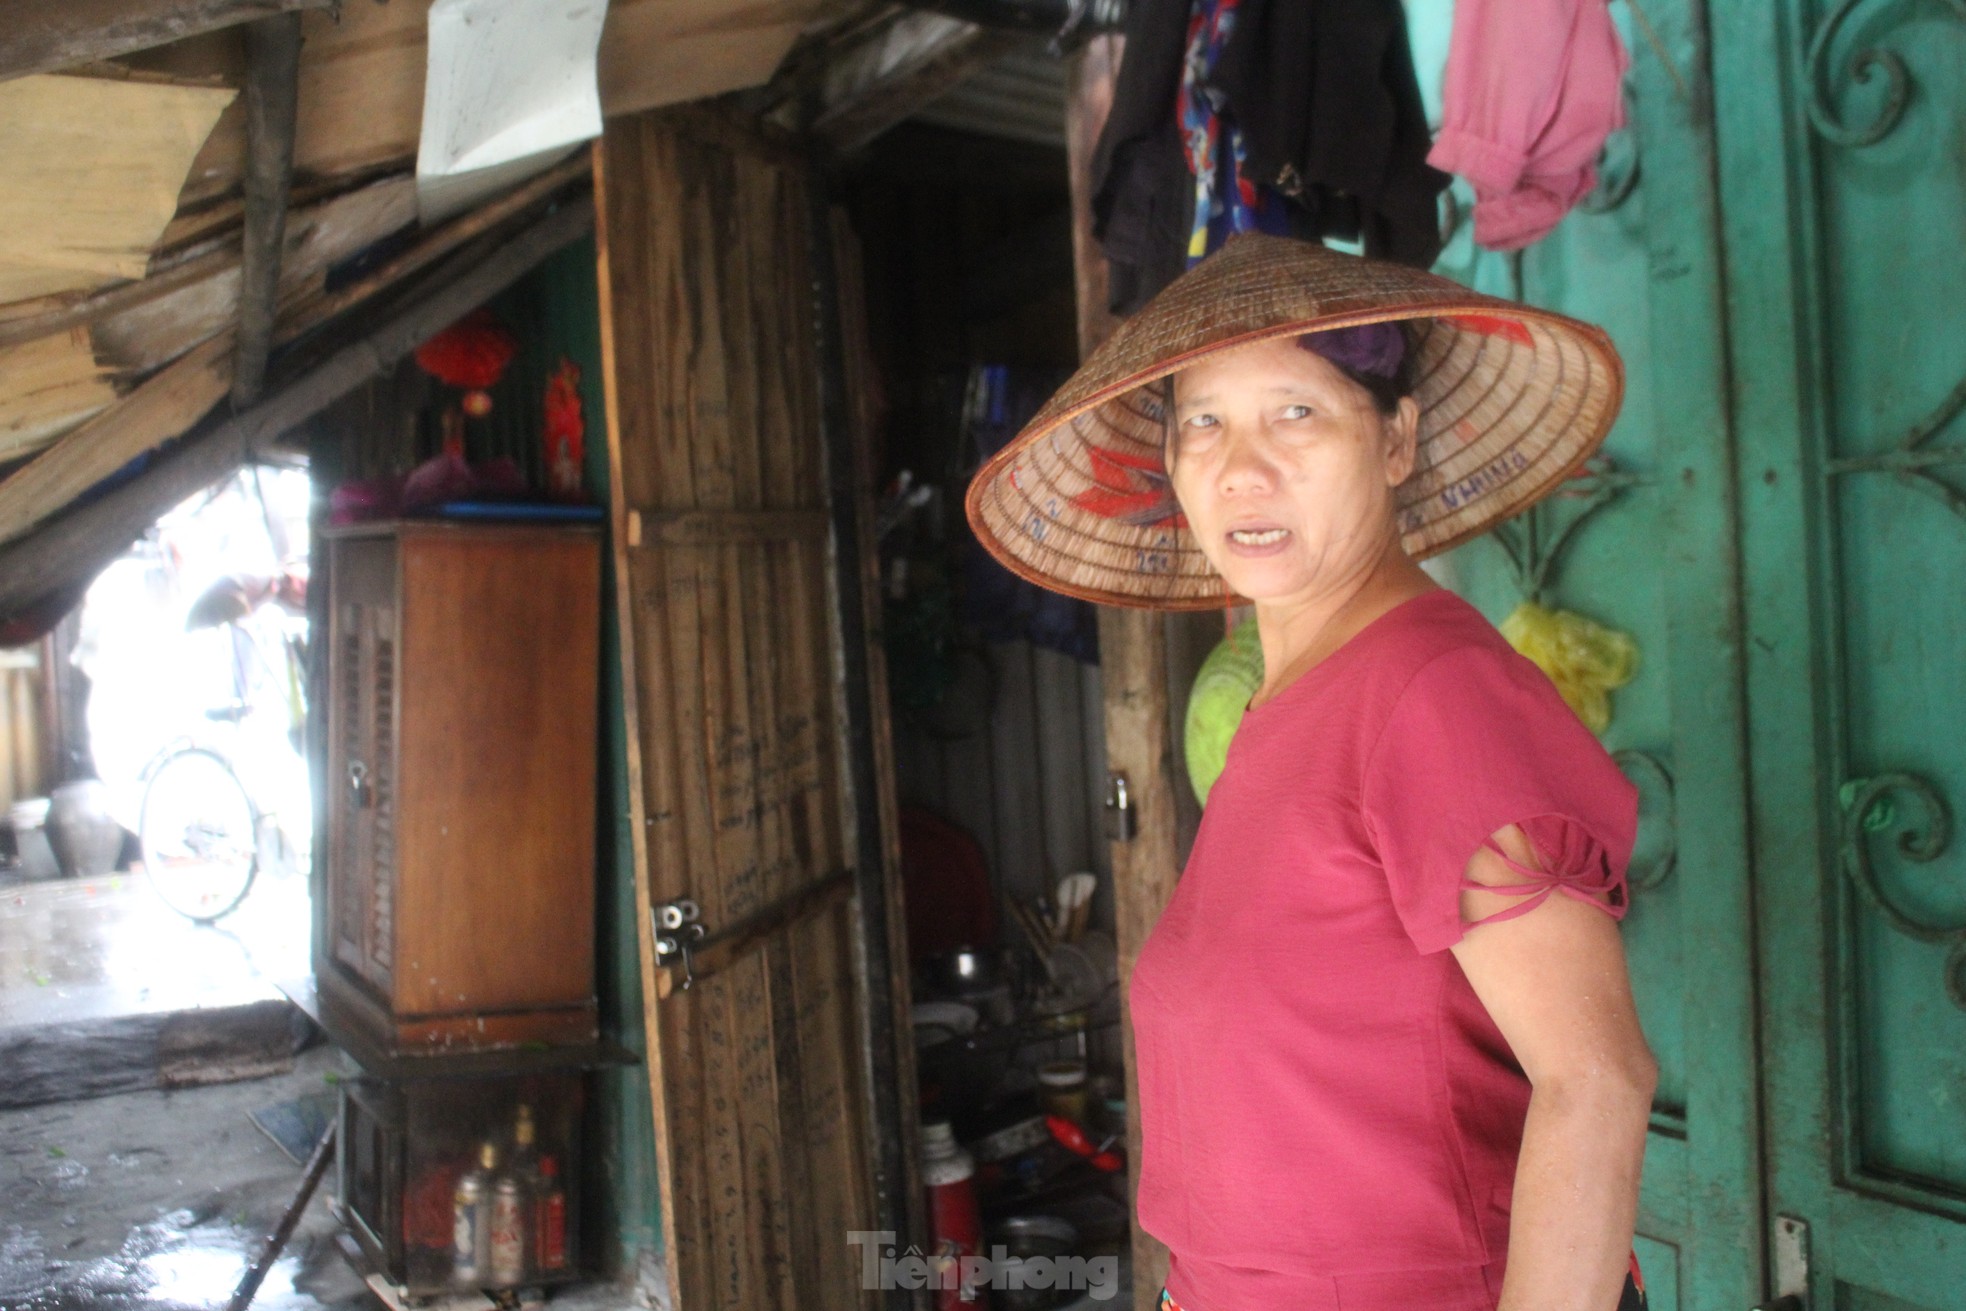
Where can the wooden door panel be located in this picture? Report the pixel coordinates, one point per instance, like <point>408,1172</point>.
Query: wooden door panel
<point>735,748</point>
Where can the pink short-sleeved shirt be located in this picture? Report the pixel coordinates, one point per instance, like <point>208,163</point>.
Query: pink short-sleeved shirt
<point>1329,1118</point>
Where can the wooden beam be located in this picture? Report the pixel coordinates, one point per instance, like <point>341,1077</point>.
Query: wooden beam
<point>40,36</point>
<point>436,245</point>
<point>272,96</point>
<point>79,543</point>
<point>1090,80</point>
<point>724,527</point>
<point>1133,663</point>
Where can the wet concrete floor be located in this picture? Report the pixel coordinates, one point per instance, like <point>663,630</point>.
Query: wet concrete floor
<point>78,950</point>
<point>156,1201</point>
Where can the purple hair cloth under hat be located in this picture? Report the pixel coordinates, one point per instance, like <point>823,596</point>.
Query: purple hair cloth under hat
<point>1369,348</point>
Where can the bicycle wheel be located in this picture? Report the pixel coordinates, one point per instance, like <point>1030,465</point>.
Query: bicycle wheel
<point>199,834</point>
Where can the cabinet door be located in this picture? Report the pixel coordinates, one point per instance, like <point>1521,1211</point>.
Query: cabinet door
<point>1845,128</point>
<point>361,778</point>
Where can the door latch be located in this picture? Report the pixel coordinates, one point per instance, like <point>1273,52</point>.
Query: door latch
<point>1791,1266</point>
<point>1121,820</point>
<point>360,790</point>
<point>678,928</point>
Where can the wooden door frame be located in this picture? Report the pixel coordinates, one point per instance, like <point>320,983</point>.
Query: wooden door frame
<point>1133,664</point>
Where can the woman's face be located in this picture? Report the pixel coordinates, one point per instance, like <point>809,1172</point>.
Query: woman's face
<point>1285,468</point>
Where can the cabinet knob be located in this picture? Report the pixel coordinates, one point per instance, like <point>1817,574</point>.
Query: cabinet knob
<point>358,785</point>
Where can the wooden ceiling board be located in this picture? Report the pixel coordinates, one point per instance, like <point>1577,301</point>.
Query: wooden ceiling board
<point>361,80</point>
<point>91,175</point>
<point>664,52</point>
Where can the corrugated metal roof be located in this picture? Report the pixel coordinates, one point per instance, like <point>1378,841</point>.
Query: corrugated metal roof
<point>1020,96</point>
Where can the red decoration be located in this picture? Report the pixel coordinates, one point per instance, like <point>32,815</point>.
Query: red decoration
<point>472,353</point>
<point>566,431</point>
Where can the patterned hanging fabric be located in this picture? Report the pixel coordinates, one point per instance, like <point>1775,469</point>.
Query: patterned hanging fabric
<point>1226,201</point>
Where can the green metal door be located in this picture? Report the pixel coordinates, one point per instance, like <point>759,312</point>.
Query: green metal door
<point>1844,193</point>
<point>1646,545</point>
<point>1780,523</point>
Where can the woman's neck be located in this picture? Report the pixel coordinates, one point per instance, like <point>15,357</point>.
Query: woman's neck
<point>1299,633</point>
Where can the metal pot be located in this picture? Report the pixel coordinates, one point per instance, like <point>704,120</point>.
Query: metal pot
<point>1024,1238</point>
<point>86,838</point>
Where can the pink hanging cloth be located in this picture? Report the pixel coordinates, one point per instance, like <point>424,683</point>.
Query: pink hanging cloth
<point>1531,92</point>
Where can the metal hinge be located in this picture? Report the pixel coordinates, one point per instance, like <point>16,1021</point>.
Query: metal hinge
<point>1791,1265</point>
<point>678,929</point>
<point>681,937</point>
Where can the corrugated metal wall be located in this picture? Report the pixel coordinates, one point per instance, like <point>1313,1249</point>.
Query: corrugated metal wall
<point>1029,783</point>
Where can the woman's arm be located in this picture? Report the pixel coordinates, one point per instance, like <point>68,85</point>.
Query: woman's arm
<point>1554,979</point>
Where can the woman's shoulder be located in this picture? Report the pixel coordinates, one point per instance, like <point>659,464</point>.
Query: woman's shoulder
<point>1446,661</point>
<point>1424,647</point>
<point>1435,625</point>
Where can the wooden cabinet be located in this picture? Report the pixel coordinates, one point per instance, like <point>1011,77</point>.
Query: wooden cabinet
<point>458,899</point>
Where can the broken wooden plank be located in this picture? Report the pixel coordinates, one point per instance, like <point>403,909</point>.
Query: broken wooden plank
<point>272,78</point>
<point>164,406</point>
<point>150,334</point>
<point>436,245</point>
<point>100,1057</point>
<point>60,317</point>
<point>41,35</point>
<point>47,387</point>
<point>79,543</point>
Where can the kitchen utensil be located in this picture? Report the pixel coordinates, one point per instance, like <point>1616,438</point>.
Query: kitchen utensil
<point>1074,894</point>
<point>1011,1140</point>
<point>1061,1088</point>
<point>1029,1239</point>
<point>1075,1140</point>
<point>936,1021</point>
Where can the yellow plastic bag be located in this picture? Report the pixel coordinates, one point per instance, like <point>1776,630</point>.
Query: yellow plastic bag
<point>1582,657</point>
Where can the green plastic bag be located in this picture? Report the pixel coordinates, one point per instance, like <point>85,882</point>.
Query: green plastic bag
<point>1223,685</point>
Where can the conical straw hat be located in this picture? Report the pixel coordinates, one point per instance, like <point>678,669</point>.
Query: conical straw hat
<point>1512,400</point>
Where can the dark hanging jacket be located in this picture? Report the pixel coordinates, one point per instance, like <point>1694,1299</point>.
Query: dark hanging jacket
<point>1329,106</point>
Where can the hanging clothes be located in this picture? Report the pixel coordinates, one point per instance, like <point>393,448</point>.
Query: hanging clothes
<point>1226,200</point>
<point>1323,116</point>
<point>1533,87</point>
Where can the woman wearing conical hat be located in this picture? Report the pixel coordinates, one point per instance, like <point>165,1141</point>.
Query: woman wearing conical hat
<point>1387,1053</point>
